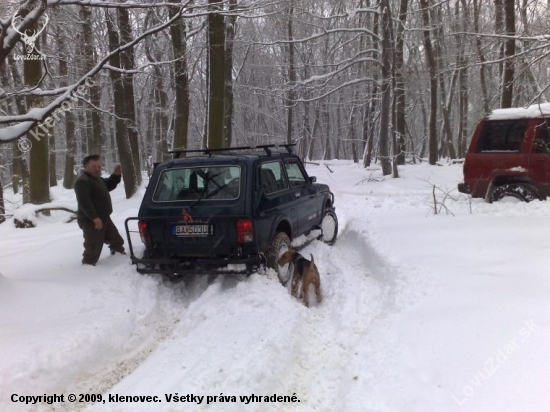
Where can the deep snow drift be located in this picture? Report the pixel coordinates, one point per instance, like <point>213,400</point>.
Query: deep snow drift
<point>422,312</point>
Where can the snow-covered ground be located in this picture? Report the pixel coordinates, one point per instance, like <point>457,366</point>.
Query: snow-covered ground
<point>421,312</point>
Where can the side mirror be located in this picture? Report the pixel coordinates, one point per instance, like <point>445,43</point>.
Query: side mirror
<point>313,179</point>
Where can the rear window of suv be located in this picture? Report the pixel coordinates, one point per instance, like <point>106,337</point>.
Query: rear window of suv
<point>502,136</point>
<point>194,183</point>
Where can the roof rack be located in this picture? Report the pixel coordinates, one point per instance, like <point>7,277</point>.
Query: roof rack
<point>266,147</point>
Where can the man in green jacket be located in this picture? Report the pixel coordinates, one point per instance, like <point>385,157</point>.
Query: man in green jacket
<point>95,208</point>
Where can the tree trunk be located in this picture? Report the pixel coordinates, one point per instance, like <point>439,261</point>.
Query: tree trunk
<point>314,131</point>
<point>159,113</point>
<point>39,184</point>
<point>385,109</point>
<point>20,167</point>
<point>432,69</point>
<point>181,82</point>
<point>53,161</point>
<point>464,88</point>
<point>369,118</point>
<point>351,128</point>
<point>326,123</point>
<point>121,130</point>
<point>127,63</point>
<point>306,135</point>
<point>68,174</point>
<point>291,96</point>
<point>499,29</point>
<point>447,147</point>
<point>230,28</point>
<point>400,103</point>
<point>89,54</point>
<point>509,52</point>
<point>481,57</point>
<point>216,36</point>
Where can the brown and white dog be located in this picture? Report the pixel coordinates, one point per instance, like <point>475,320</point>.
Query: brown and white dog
<point>305,271</point>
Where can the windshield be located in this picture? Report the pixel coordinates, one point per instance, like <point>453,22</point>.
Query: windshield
<point>195,183</point>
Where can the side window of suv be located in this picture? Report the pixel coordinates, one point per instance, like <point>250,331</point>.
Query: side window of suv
<point>272,177</point>
<point>502,136</point>
<point>542,142</point>
<point>295,175</point>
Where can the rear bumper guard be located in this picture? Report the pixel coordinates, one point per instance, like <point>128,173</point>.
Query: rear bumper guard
<point>179,266</point>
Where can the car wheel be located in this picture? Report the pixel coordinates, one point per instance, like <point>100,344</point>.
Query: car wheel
<point>329,227</point>
<point>279,245</point>
<point>514,192</point>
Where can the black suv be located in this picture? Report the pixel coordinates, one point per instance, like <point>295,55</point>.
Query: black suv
<point>229,210</point>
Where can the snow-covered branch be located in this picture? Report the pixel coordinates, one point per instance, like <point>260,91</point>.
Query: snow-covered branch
<point>29,120</point>
<point>324,32</point>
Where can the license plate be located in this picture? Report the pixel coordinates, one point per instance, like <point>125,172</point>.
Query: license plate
<point>192,230</point>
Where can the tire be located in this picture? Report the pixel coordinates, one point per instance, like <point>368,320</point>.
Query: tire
<point>521,192</point>
<point>279,245</point>
<point>329,227</point>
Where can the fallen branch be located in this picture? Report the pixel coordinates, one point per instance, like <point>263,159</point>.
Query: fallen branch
<point>26,223</point>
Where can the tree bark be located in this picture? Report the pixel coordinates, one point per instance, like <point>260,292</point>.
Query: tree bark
<point>292,77</point>
<point>158,113</point>
<point>52,161</point>
<point>481,57</point>
<point>306,135</point>
<point>181,82</point>
<point>39,184</point>
<point>20,166</point>
<point>326,123</point>
<point>68,174</point>
<point>121,130</point>
<point>87,39</point>
<point>230,29</point>
<point>127,82</point>
<point>432,70</point>
<point>447,147</point>
<point>216,36</point>
<point>369,117</point>
<point>509,52</point>
<point>499,29</point>
<point>385,109</point>
<point>400,103</point>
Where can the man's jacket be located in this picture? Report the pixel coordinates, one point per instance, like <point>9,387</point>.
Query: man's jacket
<point>92,195</point>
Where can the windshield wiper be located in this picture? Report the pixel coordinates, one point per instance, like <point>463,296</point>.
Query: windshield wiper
<point>209,179</point>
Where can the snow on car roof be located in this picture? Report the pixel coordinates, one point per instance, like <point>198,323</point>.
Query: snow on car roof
<point>536,110</point>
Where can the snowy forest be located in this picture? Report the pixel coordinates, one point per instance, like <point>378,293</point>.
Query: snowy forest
<point>373,81</point>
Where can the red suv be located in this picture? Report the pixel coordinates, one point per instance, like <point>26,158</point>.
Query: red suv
<point>509,155</point>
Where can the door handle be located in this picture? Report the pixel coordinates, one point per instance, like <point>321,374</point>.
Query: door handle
<point>297,194</point>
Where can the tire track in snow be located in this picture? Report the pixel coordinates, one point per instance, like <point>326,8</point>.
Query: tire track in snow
<point>359,288</point>
<point>182,295</point>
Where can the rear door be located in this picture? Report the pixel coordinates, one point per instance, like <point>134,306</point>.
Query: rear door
<point>276,199</point>
<point>305,193</point>
<point>540,158</point>
<point>200,206</point>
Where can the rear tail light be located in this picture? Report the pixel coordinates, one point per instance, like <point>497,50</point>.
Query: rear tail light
<point>245,231</point>
<point>143,231</point>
